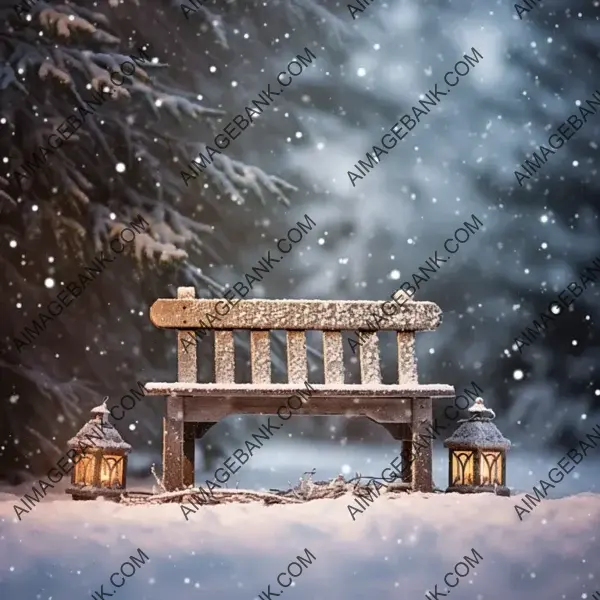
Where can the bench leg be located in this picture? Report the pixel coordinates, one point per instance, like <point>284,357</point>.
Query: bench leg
<point>422,465</point>
<point>173,444</point>
<point>189,448</point>
<point>406,453</point>
<point>191,432</point>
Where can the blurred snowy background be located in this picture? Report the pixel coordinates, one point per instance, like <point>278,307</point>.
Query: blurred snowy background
<point>457,162</point>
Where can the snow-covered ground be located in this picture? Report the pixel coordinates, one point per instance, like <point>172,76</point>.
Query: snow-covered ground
<point>396,549</point>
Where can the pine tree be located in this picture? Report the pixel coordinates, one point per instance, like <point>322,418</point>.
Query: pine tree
<point>124,162</point>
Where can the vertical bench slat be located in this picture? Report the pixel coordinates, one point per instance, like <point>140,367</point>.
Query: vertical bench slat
<point>333,357</point>
<point>187,370</point>
<point>178,436</point>
<point>370,370</point>
<point>260,356</point>
<point>407,360</point>
<point>187,360</point>
<point>297,365</point>
<point>224,356</point>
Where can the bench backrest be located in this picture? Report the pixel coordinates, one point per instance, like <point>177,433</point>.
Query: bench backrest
<point>186,313</point>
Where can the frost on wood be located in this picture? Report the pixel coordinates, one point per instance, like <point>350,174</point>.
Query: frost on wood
<point>296,316</point>
<point>381,390</point>
<point>224,357</point>
<point>407,360</point>
<point>324,315</point>
<point>370,371</point>
<point>260,357</point>
<point>333,357</point>
<point>187,349</point>
<point>297,366</point>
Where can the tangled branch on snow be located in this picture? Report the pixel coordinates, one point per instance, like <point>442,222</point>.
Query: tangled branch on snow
<point>305,491</point>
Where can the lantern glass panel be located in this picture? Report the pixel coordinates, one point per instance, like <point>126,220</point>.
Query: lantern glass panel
<point>84,470</point>
<point>111,471</point>
<point>463,467</point>
<point>491,468</point>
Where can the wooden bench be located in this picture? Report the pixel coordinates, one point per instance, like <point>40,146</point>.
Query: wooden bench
<point>404,408</point>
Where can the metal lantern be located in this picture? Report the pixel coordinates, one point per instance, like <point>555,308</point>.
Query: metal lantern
<point>100,459</point>
<point>477,459</point>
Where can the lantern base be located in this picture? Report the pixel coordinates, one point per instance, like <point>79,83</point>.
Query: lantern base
<point>94,493</point>
<point>499,490</point>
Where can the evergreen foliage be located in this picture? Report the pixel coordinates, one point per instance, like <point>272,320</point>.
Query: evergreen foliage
<point>55,58</point>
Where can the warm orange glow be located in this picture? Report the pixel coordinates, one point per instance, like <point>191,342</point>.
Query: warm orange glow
<point>463,467</point>
<point>111,471</point>
<point>491,468</point>
<point>84,470</point>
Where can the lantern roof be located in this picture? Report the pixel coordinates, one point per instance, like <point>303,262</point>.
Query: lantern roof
<point>478,431</point>
<point>99,432</point>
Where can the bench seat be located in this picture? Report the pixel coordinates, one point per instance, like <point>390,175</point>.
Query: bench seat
<point>180,389</point>
<point>384,404</point>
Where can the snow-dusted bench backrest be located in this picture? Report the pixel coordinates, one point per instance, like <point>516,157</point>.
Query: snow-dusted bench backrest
<point>186,313</point>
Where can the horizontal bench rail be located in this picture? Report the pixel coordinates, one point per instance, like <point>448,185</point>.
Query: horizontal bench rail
<point>321,315</point>
<point>177,389</point>
<point>381,410</point>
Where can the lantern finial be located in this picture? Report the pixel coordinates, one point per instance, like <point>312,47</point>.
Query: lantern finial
<point>101,411</point>
<point>479,410</point>
<point>106,411</point>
